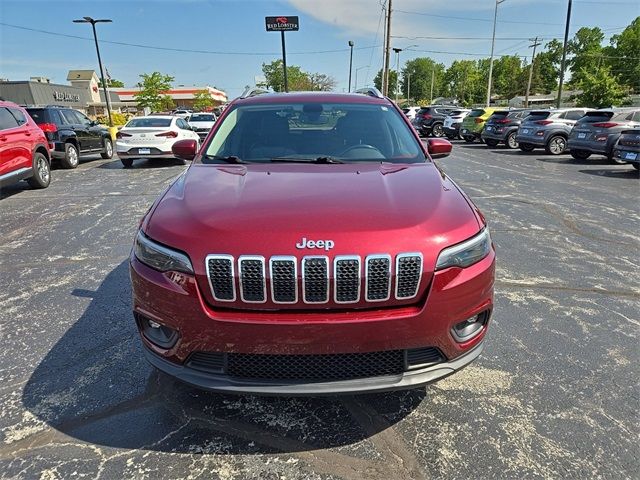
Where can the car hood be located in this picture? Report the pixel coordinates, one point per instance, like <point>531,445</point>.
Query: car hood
<point>267,209</point>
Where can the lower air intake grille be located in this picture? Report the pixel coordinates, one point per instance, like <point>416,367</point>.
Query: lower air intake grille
<point>419,357</point>
<point>206,361</point>
<point>316,367</point>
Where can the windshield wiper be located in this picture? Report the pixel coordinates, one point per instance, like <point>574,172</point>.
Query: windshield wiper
<point>306,160</point>
<point>229,159</point>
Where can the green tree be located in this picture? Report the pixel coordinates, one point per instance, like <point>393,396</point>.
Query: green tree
<point>463,81</point>
<point>599,88</point>
<point>152,91</point>
<point>626,50</point>
<point>112,83</point>
<point>297,78</point>
<point>202,100</point>
<point>546,68</point>
<point>507,76</point>
<point>393,80</point>
<point>586,49</point>
<point>422,70</point>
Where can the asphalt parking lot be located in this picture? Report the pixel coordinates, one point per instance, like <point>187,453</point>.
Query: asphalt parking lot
<point>555,393</point>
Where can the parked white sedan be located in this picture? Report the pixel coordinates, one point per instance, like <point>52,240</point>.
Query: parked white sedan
<point>202,123</point>
<point>151,137</point>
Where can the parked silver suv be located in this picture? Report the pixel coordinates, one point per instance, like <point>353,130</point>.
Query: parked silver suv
<point>548,129</point>
<point>598,131</point>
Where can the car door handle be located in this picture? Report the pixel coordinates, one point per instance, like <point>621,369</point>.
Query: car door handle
<point>27,134</point>
<point>3,138</point>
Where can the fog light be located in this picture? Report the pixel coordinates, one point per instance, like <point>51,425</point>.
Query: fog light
<point>469,328</point>
<point>156,333</point>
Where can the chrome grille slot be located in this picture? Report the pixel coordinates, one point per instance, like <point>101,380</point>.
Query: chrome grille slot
<point>378,278</point>
<point>408,274</point>
<point>346,270</point>
<point>252,279</point>
<point>284,279</point>
<point>220,273</point>
<point>315,279</point>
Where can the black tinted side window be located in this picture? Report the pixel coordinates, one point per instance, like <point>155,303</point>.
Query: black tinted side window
<point>55,117</point>
<point>18,115</point>
<point>574,114</point>
<point>7,120</point>
<point>68,118</point>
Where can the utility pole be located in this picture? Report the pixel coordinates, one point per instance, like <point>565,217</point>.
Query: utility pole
<point>409,87</point>
<point>93,22</point>
<point>385,83</point>
<point>493,43</point>
<point>564,55</point>
<point>433,77</point>
<point>397,51</point>
<point>384,47</point>
<point>350,63</point>
<point>533,57</point>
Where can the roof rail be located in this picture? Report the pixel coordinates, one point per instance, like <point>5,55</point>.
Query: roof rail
<point>370,91</point>
<point>253,91</point>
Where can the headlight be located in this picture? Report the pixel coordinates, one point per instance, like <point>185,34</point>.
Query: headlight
<point>466,253</point>
<point>160,257</point>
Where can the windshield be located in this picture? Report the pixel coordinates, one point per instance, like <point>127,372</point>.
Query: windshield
<point>347,132</point>
<point>202,118</point>
<point>149,122</point>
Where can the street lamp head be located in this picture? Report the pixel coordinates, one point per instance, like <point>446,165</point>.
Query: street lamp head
<point>397,50</point>
<point>92,20</point>
<point>351,44</point>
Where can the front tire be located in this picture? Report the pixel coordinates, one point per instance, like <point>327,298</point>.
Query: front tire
<point>636,166</point>
<point>437,130</point>
<point>71,156</point>
<point>127,162</point>
<point>107,147</point>
<point>490,143</point>
<point>511,141</point>
<point>41,172</point>
<point>580,154</point>
<point>469,139</point>
<point>556,145</point>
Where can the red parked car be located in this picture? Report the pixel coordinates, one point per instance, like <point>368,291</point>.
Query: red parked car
<point>24,153</point>
<point>312,247</point>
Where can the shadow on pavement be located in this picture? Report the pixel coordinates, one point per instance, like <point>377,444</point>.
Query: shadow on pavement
<point>613,173</point>
<point>569,160</point>
<point>95,385</point>
<point>144,164</point>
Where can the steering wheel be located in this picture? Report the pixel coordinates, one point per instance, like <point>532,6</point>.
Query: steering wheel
<point>363,146</point>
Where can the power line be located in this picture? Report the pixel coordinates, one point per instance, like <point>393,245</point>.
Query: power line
<point>470,38</point>
<point>472,19</point>
<point>180,50</point>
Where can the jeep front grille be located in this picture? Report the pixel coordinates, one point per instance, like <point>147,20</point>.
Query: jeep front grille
<point>314,279</point>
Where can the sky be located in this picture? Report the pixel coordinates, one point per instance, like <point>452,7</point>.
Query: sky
<point>224,42</point>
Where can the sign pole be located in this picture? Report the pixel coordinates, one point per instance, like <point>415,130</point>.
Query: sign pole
<point>284,62</point>
<point>282,24</point>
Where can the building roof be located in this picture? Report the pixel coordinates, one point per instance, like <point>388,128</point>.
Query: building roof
<point>80,75</point>
<point>37,93</point>
<point>177,93</point>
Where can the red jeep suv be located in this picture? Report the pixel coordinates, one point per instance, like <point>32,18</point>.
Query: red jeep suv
<point>312,247</point>
<point>24,153</point>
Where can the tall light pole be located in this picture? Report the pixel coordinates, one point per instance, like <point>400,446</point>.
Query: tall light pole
<point>409,87</point>
<point>93,22</point>
<point>350,62</point>
<point>355,87</point>
<point>493,43</point>
<point>397,51</point>
<point>533,58</point>
<point>564,55</point>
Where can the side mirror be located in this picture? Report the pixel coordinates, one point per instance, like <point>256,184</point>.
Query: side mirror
<point>438,147</point>
<point>185,149</point>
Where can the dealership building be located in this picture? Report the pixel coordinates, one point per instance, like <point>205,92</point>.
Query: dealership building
<point>182,96</point>
<point>84,93</point>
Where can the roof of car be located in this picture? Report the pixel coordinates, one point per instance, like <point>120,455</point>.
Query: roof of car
<point>7,103</point>
<point>310,97</point>
<point>167,117</point>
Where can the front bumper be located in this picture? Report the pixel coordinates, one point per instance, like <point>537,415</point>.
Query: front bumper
<point>452,130</point>
<point>226,384</point>
<point>175,301</point>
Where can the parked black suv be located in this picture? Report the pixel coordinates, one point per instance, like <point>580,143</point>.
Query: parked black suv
<point>71,134</point>
<point>430,120</point>
<point>502,127</point>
